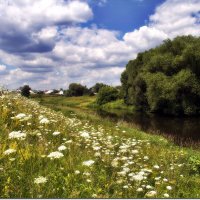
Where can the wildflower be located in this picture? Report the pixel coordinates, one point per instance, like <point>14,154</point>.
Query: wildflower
<point>55,155</point>
<point>156,167</point>
<point>115,162</point>
<point>97,154</point>
<point>165,180</point>
<point>88,180</point>
<point>40,180</point>
<point>157,178</point>
<point>125,186</point>
<point>85,134</point>
<point>86,173</point>
<point>20,116</point>
<point>120,181</point>
<point>139,190</point>
<point>56,133</point>
<point>9,151</point>
<point>146,158</point>
<point>138,177</point>
<point>62,148</point>
<point>122,173</point>
<point>126,169</point>
<point>149,187</point>
<point>88,163</point>
<point>44,121</point>
<point>151,193</point>
<point>77,172</point>
<point>96,148</point>
<point>135,151</point>
<point>68,142</point>
<point>166,195</point>
<point>169,188</point>
<point>17,135</point>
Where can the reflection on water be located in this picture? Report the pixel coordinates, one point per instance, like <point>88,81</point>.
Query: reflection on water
<point>184,131</point>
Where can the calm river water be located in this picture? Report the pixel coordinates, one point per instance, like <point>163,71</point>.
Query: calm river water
<point>183,131</point>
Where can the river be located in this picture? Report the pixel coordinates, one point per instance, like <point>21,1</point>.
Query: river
<point>184,131</point>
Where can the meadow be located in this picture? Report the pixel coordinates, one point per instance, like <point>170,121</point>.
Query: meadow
<point>72,154</point>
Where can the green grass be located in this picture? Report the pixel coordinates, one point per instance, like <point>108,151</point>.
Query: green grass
<point>83,102</point>
<point>121,155</point>
<point>119,105</point>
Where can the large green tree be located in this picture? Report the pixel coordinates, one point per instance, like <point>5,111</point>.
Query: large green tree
<point>165,79</point>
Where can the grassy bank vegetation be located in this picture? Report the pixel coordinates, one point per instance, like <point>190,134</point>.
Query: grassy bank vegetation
<point>49,155</point>
<point>83,102</point>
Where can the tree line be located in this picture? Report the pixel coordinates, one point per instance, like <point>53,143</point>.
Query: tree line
<point>165,79</point>
<point>105,92</point>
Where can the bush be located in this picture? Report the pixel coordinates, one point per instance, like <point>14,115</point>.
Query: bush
<point>76,90</point>
<point>25,91</point>
<point>107,94</point>
<point>97,87</point>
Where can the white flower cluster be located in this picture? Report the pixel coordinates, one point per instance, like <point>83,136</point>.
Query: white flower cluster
<point>17,135</point>
<point>56,133</point>
<point>88,163</point>
<point>40,180</point>
<point>84,134</point>
<point>9,151</point>
<point>22,117</point>
<point>62,148</point>
<point>55,155</point>
<point>43,120</point>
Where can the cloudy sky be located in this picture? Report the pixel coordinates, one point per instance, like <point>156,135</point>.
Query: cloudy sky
<point>51,43</point>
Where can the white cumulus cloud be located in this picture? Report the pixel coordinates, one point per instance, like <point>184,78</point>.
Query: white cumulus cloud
<point>46,43</point>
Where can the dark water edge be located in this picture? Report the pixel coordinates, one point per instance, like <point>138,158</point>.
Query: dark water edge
<point>183,131</point>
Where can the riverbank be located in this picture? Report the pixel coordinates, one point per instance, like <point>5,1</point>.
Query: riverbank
<point>161,148</point>
<point>180,130</point>
<point>94,157</point>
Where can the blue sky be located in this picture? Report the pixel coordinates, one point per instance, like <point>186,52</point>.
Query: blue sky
<point>50,44</point>
<point>123,15</point>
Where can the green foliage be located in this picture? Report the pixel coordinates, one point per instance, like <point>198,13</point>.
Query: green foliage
<point>165,79</point>
<point>25,91</point>
<point>107,94</point>
<point>195,164</point>
<point>76,90</point>
<point>97,87</point>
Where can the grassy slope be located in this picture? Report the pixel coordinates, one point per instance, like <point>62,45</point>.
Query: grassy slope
<point>162,145</point>
<point>102,180</point>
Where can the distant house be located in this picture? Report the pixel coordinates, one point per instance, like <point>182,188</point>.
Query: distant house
<point>61,92</point>
<point>49,92</point>
<point>32,92</point>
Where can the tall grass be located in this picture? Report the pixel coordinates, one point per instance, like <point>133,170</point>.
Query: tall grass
<point>45,154</point>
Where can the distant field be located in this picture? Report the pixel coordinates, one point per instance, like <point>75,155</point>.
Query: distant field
<point>81,102</point>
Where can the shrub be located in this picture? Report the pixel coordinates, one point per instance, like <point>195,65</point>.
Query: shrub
<point>107,94</point>
<point>76,90</point>
<point>25,91</point>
